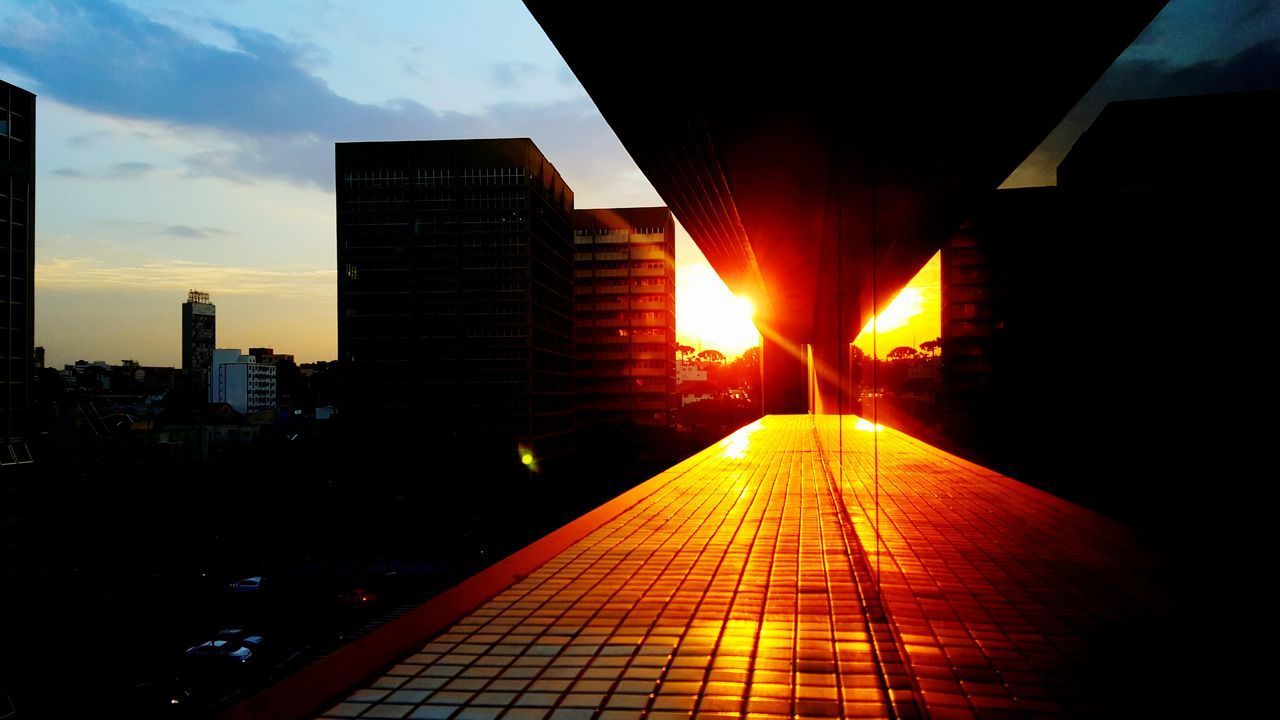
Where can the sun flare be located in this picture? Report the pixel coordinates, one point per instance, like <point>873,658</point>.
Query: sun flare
<point>709,316</point>
<point>913,317</point>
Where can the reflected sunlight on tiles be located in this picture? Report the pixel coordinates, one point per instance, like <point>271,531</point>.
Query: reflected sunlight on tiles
<point>753,585</point>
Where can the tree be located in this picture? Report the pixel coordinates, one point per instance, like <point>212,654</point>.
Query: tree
<point>933,347</point>
<point>903,353</point>
<point>743,373</point>
<point>685,351</point>
<point>709,355</point>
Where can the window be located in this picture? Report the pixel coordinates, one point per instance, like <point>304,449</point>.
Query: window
<point>375,179</point>
<point>432,177</point>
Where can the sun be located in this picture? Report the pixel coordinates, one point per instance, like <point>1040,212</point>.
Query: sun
<point>709,316</point>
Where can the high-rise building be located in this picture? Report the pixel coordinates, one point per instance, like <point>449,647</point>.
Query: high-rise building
<point>242,382</point>
<point>625,314</point>
<point>198,331</point>
<point>455,293</point>
<point>17,268</point>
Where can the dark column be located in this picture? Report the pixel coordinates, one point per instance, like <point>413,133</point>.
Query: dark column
<point>783,377</point>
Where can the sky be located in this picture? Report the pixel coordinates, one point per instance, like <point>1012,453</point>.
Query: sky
<point>913,316</point>
<point>190,145</point>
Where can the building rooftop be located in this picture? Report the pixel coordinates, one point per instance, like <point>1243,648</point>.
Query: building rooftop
<point>748,581</point>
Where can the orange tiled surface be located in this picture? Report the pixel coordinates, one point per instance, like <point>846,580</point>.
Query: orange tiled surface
<point>749,584</point>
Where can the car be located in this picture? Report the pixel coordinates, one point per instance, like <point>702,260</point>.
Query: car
<point>240,635</point>
<point>247,585</point>
<point>228,651</point>
<point>231,646</point>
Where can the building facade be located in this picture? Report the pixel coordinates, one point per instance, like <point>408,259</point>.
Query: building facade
<point>17,268</point>
<point>242,382</point>
<point>269,355</point>
<point>625,314</point>
<point>199,331</point>
<point>455,293</point>
<point>687,372</point>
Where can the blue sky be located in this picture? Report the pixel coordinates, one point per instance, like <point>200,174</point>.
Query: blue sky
<point>190,145</point>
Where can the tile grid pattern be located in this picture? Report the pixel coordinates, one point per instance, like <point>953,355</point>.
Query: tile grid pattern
<point>751,585</point>
<point>727,592</point>
<point>1001,595</point>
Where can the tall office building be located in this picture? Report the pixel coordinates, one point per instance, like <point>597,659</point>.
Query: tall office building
<point>625,314</point>
<point>455,293</point>
<point>17,267</point>
<point>198,331</point>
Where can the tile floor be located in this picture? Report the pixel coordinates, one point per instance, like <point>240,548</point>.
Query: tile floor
<point>753,585</point>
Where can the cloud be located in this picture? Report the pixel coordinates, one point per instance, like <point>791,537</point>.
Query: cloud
<point>143,69</point>
<point>268,116</point>
<point>127,170</point>
<point>185,231</point>
<point>118,171</point>
<point>512,74</point>
<point>90,273</point>
<point>87,139</point>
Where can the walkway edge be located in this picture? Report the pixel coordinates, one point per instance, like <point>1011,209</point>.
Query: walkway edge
<point>311,689</point>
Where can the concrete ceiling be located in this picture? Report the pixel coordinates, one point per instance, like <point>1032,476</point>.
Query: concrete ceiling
<point>820,154</point>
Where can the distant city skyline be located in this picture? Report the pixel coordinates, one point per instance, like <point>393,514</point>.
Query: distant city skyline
<point>196,149</point>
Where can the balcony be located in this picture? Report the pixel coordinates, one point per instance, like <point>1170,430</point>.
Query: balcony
<point>659,305</point>
<point>774,573</point>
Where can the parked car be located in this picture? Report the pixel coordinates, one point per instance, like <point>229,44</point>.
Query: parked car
<point>223,650</point>
<point>231,646</point>
<point>247,585</point>
<point>240,635</point>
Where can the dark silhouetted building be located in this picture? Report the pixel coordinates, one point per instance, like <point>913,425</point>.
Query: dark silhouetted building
<point>1057,302</point>
<point>1215,144</point>
<point>269,355</point>
<point>625,314</point>
<point>199,332</point>
<point>17,268</point>
<point>455,293</point>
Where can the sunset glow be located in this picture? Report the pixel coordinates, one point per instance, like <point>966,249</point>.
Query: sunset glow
<point>709,316</point>
<point>913,317</point>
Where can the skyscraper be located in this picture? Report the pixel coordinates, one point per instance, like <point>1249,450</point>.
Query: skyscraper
<point>625,314</point>
<point>455,293</point>
<point>17,268</point>
<point>198,331</point>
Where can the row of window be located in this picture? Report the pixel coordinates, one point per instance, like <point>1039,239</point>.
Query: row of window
<point>511,331</point>
<point>432,177</point>
<point>360,179</point>
<point>631,265</point>
<point>493,176</point>
<point>606,232</point>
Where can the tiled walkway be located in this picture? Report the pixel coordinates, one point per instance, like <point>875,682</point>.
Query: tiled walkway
<point>748,583</point>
